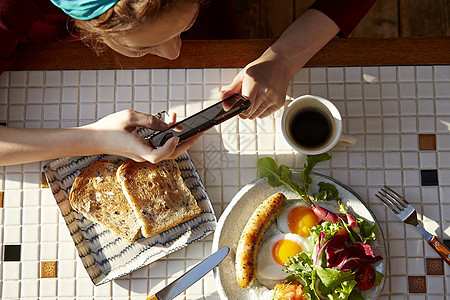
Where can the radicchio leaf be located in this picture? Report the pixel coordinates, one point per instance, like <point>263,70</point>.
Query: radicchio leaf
<point>318,249</point>
<point>345,258</point>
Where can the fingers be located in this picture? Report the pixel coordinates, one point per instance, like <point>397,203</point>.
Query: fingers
<point>137,119</point>
<point>164,152</point>
<point>233,88</point>
<point>170,150</point>
<point>252,96</point>
<point>262,108</point>
<point>186,145</point>
<point>173,119</point>
<point>268,112</point>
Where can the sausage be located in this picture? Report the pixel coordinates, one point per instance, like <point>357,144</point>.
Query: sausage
<point>251,238</point>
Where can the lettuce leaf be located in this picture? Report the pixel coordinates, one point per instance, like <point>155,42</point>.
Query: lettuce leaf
<point>343,291</point>
<point>331,277</point>
<point>367,231</point>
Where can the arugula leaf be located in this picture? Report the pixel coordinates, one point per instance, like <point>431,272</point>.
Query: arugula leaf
<point>311,162</point>
<point>300,266</point>
<point>276,175</point>
<point>328,192</point>
<point>280,175</point>
<point>329,229</point>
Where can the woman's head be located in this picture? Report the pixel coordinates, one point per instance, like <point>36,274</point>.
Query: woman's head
<point>138,27</point>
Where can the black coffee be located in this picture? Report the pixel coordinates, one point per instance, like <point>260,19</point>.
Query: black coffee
<point>310,128</point>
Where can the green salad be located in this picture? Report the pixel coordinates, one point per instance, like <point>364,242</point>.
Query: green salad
<point>340,265</point>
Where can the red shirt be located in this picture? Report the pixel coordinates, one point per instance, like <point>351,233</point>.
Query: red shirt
<point>345,13</point>
<point>24,21</point>
<point>40,21</point>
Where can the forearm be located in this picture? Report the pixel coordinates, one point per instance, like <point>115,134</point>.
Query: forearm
<point>303,39</point>
<point>20,145</point>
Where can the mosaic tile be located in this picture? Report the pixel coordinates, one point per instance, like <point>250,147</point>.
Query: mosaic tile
<point>435,266</point>
<point>447,243</point>
<point>427,142</point>
<point>393,111</point>
<point>429,177</point>
<point>49,269</point>
<point>12,253</point>
<point>417,284</point>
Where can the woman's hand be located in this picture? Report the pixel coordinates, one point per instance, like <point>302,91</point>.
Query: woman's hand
<point>264,82</point>
<point>116,134</point>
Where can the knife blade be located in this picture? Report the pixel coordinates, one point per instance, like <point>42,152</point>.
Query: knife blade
<point>192,276</point>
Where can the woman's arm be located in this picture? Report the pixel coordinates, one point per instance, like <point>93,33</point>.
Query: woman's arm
<point>114,134</point>
<point>266,80</point>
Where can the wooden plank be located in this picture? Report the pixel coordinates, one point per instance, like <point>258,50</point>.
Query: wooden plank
<point>264,19</point>
<point>424,18</point>
<point>276,16</point>
<point>238,53</point>
<point>249,18</point>
<point>380,22</point>
<point>301,6</point>
<point>384,52</point>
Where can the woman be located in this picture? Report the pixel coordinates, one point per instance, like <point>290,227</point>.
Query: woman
<point>153,27</point>
<point>136,28</point>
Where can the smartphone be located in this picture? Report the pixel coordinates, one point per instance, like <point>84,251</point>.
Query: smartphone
<point>201,121</point>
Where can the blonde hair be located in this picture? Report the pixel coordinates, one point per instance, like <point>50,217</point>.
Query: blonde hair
<point>123,17</point>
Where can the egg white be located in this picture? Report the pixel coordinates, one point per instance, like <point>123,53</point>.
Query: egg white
<point>268,268</point>
<point>282,218</point>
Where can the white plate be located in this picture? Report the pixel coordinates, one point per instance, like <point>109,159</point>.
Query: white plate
<point>235,216</point>
<point>104,254</point>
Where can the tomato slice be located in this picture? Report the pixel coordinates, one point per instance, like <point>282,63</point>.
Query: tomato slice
<point>365,277</point>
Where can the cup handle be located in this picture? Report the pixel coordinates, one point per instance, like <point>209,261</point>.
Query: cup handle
<point>347,140</point>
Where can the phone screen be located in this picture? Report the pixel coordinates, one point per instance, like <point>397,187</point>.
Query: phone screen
<point>201,121</point>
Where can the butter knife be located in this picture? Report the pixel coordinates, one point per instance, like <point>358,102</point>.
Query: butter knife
<point>190,277</point>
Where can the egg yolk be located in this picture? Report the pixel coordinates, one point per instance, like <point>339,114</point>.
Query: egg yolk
<point>301,219</point>
<point>283,249</point>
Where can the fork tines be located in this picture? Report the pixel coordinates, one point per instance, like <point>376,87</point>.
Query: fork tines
<point>392,200</point>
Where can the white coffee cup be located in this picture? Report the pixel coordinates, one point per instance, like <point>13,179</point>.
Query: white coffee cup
<point>313,125</point>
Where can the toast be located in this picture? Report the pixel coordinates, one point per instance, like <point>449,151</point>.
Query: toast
<point>158,195</point>
<point>97,194</point>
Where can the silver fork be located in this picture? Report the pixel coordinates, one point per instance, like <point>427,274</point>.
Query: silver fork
<point>407,213</point>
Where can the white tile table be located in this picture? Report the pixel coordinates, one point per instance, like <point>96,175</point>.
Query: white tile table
<point>400,115</point>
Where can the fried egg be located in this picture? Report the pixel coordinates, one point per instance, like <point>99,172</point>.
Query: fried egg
<point>275,251</point>
<point>296,217</point>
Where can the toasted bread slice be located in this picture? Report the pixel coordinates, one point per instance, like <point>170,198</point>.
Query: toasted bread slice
<point>158,195</point>
<point>97,194</point>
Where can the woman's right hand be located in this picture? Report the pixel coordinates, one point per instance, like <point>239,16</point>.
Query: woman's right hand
<point>116,134</point>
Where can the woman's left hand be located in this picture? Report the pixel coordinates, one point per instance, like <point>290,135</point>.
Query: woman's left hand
<point>116,134</point>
